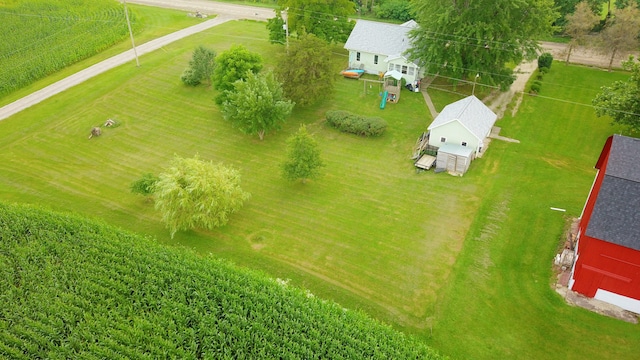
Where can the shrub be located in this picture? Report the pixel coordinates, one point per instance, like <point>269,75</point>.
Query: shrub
<point>535,86</point>
<point>356,124</point>
<point>545,60</point>
<point>145,185</point>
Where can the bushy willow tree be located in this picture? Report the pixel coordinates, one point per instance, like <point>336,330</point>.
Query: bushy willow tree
<point>464,38</point>
<point>257,104</point>
<point>326,19</point>
<point>193,193</point>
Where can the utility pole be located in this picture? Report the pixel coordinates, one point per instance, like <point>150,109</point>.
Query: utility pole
<point>475,79</point>
<point>126,14</point>
<point>286,28</point>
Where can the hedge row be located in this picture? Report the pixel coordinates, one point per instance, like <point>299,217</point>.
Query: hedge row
<point>71,289</point>
<point>356,124</point>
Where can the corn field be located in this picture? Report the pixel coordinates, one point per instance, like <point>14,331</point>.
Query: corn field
<point>40,37</point>
<point>72,289</point>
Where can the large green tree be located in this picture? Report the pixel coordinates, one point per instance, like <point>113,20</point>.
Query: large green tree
<point>621,33</point>
<point>621,100</point>
<point>327,19</point>
<point>303,157</point>
<point>200,67</point>
<point>233,65</point>
<point>578,26</point>
<point>306,71</point>
<point>193,193</point>
<point>465,38</point>
<point>257,104</point>
<point>567,7</point>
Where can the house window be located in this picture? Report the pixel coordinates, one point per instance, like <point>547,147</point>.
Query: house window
<point>404,69</point>
<point>375,59</point>
<point>443,139</point>
<point>390,67</point>
<point>410,70</point>
<point>464,143</point>
<point>357,56</point>
<point>398,67</point>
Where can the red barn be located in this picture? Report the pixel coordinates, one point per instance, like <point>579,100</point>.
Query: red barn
<point>607,265</point>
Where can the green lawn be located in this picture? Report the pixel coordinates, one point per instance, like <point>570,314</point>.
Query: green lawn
<point>372,233</point>
<point>499,302</point>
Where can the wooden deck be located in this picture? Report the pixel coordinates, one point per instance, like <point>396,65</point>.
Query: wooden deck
<point>425,162</point>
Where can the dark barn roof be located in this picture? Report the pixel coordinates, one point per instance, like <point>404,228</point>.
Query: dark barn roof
<point>616,214</point>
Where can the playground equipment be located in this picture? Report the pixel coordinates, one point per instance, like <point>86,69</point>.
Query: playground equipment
<point>383,103</point>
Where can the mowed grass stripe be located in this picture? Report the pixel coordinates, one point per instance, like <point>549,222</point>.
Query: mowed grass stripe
<point>501,290</point>
<point>371,233</point>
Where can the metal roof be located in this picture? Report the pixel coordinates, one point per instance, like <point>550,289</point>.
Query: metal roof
<point>455,149</point>
<point>472,113</point>
<point>380,38</point>
<point>616,213</point>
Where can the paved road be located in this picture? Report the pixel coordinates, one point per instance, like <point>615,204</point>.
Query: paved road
<point>212,7</point>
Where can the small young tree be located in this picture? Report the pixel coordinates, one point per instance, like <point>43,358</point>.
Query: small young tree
<point>233,65</point>
<point>621,100</point>
<point>578,26</point>
<point>303,157</point>
<point>257,105</point>
<point>192,193</point>
<point>145,185</point>
<point>621,33</point>
<point>200,67</point>
<point>306,72</point>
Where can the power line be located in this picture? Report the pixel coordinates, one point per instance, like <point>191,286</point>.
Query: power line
<point>537,96</point>
<point>442,37</point>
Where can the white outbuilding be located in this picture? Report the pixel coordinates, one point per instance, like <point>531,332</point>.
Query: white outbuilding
<point>460,132</point>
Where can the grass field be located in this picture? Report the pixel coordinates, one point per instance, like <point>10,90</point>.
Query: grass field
<point>499,302</point>
<point>154,22</point>
<point>372,233</point>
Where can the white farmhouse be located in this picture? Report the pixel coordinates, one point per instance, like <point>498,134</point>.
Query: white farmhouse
<point>377,47</point>
<point>460,131</point>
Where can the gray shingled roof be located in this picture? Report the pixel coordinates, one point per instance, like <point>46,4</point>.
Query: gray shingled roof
<point>472,113</point>
<point>380,38</point>
<point>616,213</point>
